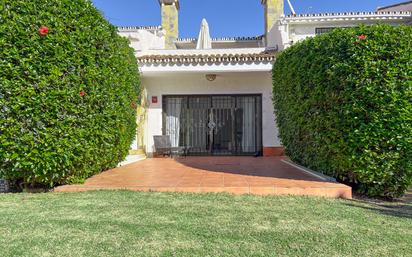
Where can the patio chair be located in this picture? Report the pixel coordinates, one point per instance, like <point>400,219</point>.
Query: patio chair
<point>163,146</point>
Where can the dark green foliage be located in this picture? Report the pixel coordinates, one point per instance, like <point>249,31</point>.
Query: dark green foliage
<point>50,133</point>
<point>343,102</point>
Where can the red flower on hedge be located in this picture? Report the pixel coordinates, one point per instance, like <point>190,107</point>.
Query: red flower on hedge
<point>82,93</point>
<point>43,30</point>
<point>362,37</point>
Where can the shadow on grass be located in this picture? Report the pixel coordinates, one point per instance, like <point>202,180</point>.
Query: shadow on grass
<point>399,208</point>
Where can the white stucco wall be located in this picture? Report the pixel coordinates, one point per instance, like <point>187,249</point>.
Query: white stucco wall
<point>225,83</point>
<point>294,29</point>
<point>144,39</point>
<point>298,32</point>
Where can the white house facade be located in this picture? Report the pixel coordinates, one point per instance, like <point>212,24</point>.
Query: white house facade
<point>214,95</point>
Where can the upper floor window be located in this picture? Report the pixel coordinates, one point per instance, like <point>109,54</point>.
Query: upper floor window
<point>319,31</point>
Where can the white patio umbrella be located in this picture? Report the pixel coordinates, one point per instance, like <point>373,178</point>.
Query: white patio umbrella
<point>204,41</point>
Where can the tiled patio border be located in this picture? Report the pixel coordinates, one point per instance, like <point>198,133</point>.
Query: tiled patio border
<point>238,175</point>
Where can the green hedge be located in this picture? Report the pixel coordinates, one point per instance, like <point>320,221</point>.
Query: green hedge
<point>343,102</point>
<point>68,85</point>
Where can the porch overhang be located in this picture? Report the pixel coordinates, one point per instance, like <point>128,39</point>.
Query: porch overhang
<point>153,69</point>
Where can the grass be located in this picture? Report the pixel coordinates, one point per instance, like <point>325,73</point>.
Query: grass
<point>126,223</point>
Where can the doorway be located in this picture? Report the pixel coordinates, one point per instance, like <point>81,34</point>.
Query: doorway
<point>214,124</point>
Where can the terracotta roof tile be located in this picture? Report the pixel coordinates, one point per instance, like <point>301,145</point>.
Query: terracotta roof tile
<point>208,58</point>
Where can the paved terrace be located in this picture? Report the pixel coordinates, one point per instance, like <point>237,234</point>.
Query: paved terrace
<point>237,175</point>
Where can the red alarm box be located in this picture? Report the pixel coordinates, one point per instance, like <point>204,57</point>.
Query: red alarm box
<point>154,99</point>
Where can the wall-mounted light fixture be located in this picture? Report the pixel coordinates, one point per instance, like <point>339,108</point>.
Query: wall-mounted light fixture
<point>211,77</point>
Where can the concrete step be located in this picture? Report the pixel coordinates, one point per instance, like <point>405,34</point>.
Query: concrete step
<point>137,152</point>
<point>132,158</point>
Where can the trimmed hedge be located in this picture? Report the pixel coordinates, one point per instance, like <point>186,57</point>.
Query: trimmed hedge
<point>68,89</point>
<point>343,102</point>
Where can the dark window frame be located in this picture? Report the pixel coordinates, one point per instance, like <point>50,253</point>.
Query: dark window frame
<point>323,30</point>
<point>258,118</point>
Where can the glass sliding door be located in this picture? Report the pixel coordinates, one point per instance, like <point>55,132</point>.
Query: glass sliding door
<point>214,124</point>
<point>197,137</point>
<point>175,119</point>
<point>222,122</point>
<point>248,132</point>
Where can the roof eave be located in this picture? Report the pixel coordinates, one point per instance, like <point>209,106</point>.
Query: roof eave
<point>362,16</point>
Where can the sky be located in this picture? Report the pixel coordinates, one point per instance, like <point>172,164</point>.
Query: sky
<point>226,18</point>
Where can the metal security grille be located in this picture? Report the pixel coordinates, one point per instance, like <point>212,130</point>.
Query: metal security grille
<point>214,124</point>
<point>319,31</point>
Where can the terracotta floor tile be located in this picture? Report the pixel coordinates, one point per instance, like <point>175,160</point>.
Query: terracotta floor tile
<point>213,180</point>
<point>188,189</point>
<point>237,175</point>
<point>261,183</point>
<point>236,184</point>
<point>237,190</point>
<point>188,184</point>
<point>212,189</point>
<point>288,190</point>
<point>262,190</point>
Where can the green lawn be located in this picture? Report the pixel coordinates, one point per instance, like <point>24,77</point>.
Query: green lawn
<point>171,224</point>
